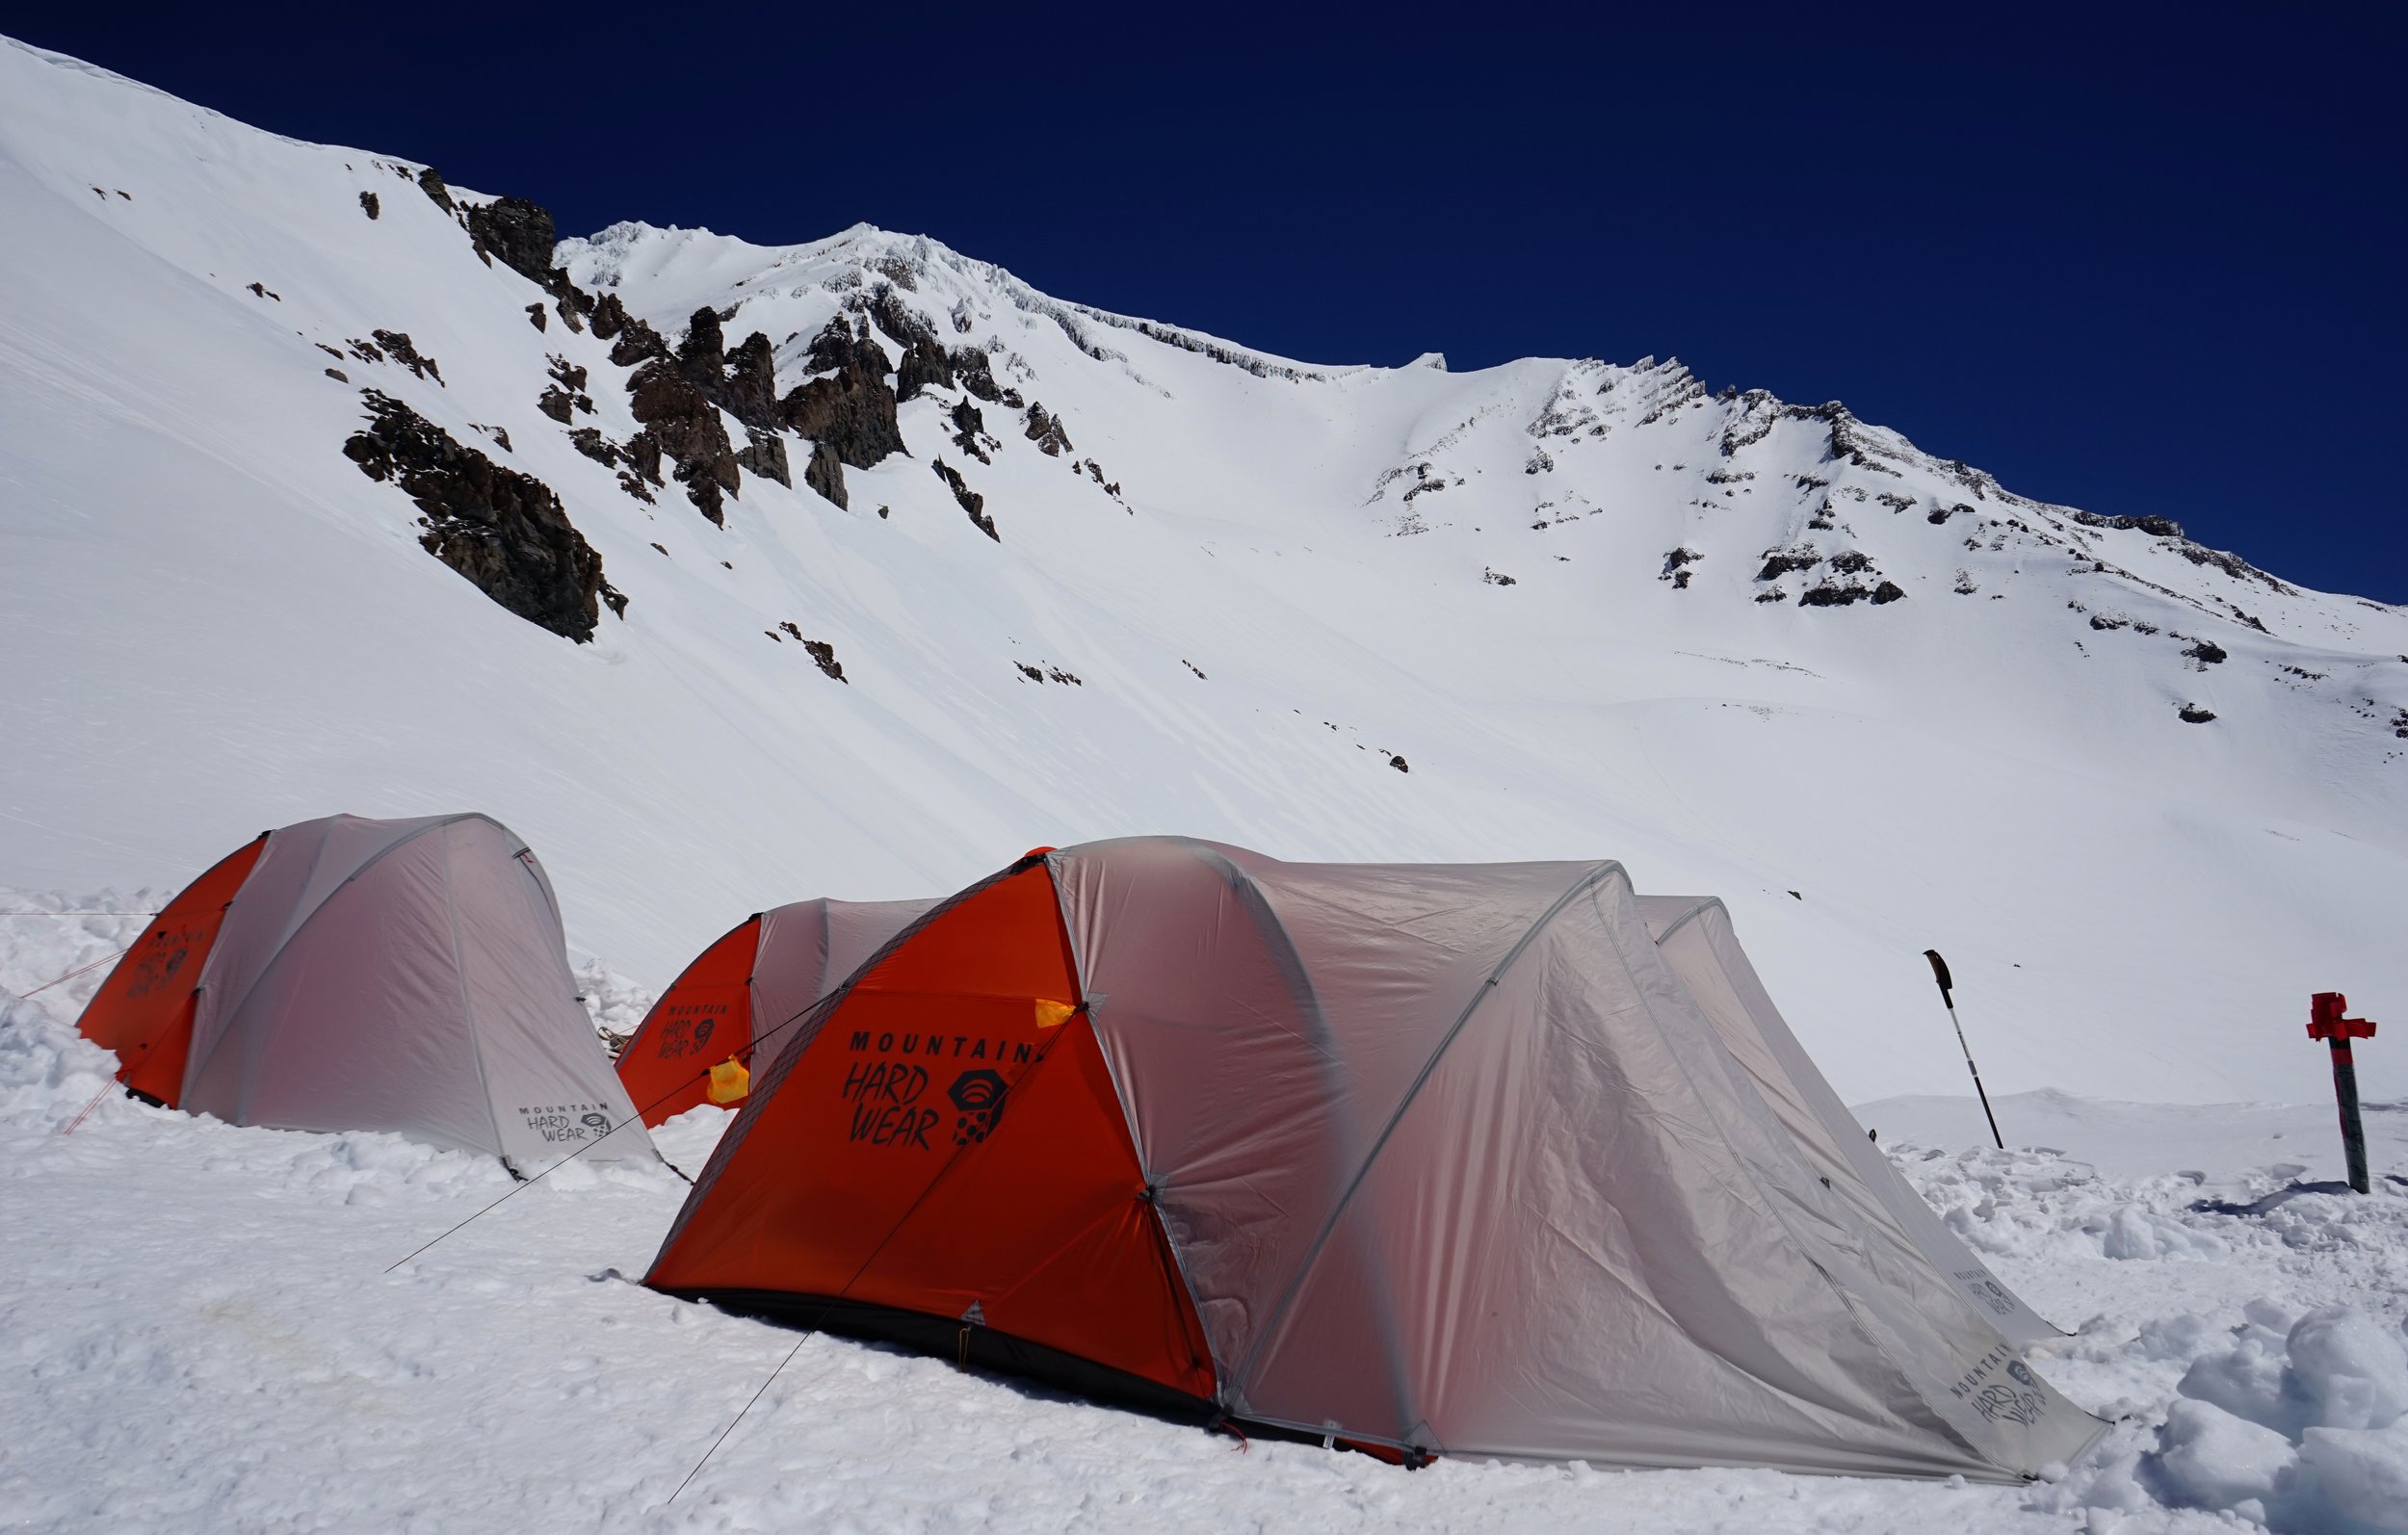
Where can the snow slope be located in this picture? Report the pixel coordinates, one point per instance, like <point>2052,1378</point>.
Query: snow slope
<point>1278,584</point>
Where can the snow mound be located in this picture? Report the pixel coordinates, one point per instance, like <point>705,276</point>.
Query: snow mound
<point>2297,1430</point>
<point>48,1072</point>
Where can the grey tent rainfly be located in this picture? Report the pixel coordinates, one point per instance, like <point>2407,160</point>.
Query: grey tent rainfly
<point>347,973</point>
<point>1695,938</point>
<point>1430,1160</point>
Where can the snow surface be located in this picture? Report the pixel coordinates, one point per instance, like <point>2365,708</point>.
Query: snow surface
<point>201,1328</point>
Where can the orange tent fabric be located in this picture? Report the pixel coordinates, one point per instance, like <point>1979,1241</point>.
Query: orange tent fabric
<point>703,1019</point>
<point>143,1011</point>
<point>884,1190</point>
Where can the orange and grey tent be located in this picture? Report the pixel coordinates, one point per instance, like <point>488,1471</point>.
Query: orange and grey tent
<point>1433,1159</point>
<point>346,973</point>
<point>696,1046</point>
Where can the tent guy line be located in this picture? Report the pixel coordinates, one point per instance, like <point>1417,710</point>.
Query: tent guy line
<point>78,969</point>
<point>741,1413</point>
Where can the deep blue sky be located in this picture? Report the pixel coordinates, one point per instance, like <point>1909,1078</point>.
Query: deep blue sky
<point>2143,259</point>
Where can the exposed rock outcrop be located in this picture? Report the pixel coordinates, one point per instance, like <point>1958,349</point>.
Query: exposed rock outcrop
<point>610,317</point>
<point>518,233</point>
<point>566,395</point>
<point>1838,594</point>
<point>395,345</point>
<point>925,366</point>
<point>749,390</point>
<point>504,530</point>
<point>827,475</point>
<point>977,378</point>
<point>2162,527</point>
<point>969,499</point>
<point>848,411</point>
<point>764,453</point>
<point>685,425</point>
<point>521,235</point>
<point>970,433</point>
<point>2232,564</point>
<point>744,382</point>
<point>1045,430</point>
<point>631,340</point>
<point>823,655</point>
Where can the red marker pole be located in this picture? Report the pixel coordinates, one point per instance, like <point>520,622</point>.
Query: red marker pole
<point>2326,1022</point>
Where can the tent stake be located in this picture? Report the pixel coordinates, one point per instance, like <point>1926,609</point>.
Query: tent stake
<point>1940,974</point>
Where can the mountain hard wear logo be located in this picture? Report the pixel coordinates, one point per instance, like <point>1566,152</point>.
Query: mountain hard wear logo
<point>566,1122</point>
<point>979,1093</point>
<point>687,1028</point>
<point>1994,1402</point>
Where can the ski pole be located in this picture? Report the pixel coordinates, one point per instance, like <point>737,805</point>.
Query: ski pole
<point>1940,974</point>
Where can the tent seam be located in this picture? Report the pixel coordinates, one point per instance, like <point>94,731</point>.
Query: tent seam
<point>435,823</point>
<point>1788,1230</point>
<point>467,1009</point>
<point>1689,916</point>
<point>201,977</point>
<point>1220,861</point>
<point>1320,1241</point>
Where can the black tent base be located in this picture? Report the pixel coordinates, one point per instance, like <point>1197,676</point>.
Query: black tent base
<point>972,1345</point>
<point>966,1343</point>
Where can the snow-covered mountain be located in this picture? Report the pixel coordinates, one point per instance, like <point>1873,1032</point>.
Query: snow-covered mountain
<point>733,574</point>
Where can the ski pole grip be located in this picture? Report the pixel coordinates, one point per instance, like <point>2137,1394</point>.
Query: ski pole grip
<point>1940,974</point>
